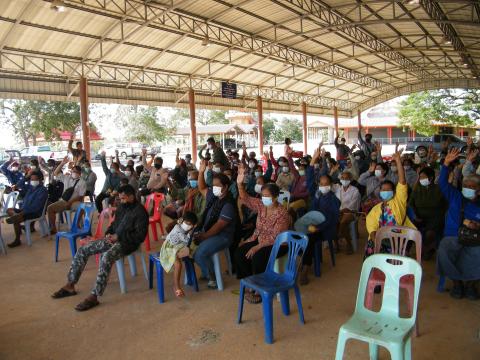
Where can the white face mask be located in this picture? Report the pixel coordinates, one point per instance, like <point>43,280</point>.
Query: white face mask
<point>378,173</point>
<point>393,168</point>
<point>345,182</point>
<point>424,182</point>
<point>217,191</point>
<point>282,163</point>
<point>258,173</point>
<point>186,227</point>
<point>285,169</point>
<point>75,176</point>
<point>217,170</point>
<point>209,146</point>
<point>251,165</point>
<point>301,172</point>
<point>34,183</point>
<point>258,188</point>
<point>324,189</point>
<point>128,173</point>
<point>14,169</point>
<point>33,167</point>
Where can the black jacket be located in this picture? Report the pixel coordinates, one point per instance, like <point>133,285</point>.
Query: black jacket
<point>130,225</point>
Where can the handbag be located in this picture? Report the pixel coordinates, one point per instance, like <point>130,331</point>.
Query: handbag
<point>466,236</point>
<point>68,193</point>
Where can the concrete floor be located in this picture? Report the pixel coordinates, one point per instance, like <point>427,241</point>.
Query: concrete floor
<point>202,325</point>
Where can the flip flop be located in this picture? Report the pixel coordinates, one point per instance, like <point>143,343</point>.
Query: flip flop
<point>179,293</point>
<point>62,293</point>
<point>86,305</point>
<point>253,298</point>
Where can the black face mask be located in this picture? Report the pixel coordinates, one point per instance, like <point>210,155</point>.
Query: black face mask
<point>368,140</point>
<point>158,166</point>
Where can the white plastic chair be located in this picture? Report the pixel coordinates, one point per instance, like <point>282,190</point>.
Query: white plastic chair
<point>2,242</point>
<point>9,203</point>
<point>42,220</point>
<point>284,196</point>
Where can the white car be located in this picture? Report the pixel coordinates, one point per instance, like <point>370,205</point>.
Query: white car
<point>33,152</point>
<point>125,150</point>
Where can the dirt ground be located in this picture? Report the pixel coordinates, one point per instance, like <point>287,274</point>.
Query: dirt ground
<point>202,325</point>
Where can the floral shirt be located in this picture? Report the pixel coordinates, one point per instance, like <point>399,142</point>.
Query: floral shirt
<point>268,227</point>
<point>387,218</point>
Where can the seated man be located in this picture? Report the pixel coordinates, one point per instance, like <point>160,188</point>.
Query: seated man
<point>123,237</point>
<point>11,170</point>
<point>31,207</point>
<point>74,189</point>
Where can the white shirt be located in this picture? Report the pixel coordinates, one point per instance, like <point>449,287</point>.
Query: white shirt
<point>69,182</point>
<point>349,198</point>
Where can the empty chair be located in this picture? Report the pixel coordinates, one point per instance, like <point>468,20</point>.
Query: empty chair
<point>76,231</point>
<point>9,203</point>
<point>270,282</point>
<point>385,328</point>
<point>156,218</point>
<point>42,220</point>
<point>284,198</point>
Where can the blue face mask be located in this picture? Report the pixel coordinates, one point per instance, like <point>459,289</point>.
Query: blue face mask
<point>267,201</point>
<point>193,183</point>
<point>468,193</point>
<point>112,170</point>
<point>386,195</point>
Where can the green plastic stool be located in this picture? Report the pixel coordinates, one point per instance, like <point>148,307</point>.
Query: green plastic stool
<point>385,328</point>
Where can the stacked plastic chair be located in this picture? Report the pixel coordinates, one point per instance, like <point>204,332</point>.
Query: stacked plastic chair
<point>156,218</point>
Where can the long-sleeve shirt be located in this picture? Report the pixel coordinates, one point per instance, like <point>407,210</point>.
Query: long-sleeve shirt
<point>13,177</point>
<point>367,148</point>
<point>156,182</point>
<point>90,179</point>
<point>349,198</point>
<point>455,200</point>
<point>342,150</point>
<point>34,200</point>
<point>298,188</point>
<point>218,156</point>
<point>371,182</point>
<point>112,181</point>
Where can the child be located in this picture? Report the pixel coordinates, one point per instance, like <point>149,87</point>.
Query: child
<point>175,248</point>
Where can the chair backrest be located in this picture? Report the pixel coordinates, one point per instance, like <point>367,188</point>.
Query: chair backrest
<point>394,267</point>
<point>283,197</point>
<point>105,219</point>
<point>399,237</point>
<point>88,209</point>
<point>11,200</point>
<point>297,243</point>
<point>157,198</point>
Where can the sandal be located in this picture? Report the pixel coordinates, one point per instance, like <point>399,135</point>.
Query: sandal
<point>86,305</point>
<point>253,298</point>
<point>179,293</point>
<point>62,293</point>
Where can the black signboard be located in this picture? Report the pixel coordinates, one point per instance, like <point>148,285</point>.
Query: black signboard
<point>229,90</point>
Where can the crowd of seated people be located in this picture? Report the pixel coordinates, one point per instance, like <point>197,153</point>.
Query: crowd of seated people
<point>231,202</point>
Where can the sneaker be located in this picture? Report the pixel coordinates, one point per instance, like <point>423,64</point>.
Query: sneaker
<point>212,284</point>
<point>457,290</point>
<point>471,293</point>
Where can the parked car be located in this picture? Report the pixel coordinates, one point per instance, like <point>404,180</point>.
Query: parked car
<point>33,152</point>
<point>436,141</point>
<point>125,150</point>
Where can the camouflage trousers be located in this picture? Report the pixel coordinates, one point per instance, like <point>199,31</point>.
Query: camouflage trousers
<point>110,254</point>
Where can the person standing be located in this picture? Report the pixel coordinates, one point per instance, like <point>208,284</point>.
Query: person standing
<point>79,155</point>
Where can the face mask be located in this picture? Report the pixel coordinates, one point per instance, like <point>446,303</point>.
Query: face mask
<point>75,176</point>
<point>406,167</point>
<point>128,173</point>
<point>345,183</point>
<point>15,169</point>
<point>258,188</point>
<point>282,163</point>
<point>33,167</point>
<point>316,166</point>
<point>34,183</point>
<point>422,153</point>
<point>285,169</point>
<point>378,173</point>
<point>468,193</point>
<point>193,183</point>
<point>209,146</point>
<point>424,182</point>
<point>217,170</point>
<point>357,157</point>
<point>258,173</point>
<point>368,140</point>
<point>186,227</point>
<point>386,195</point>
<point>394,168</point>
<point>251,165</point>
<point>112,171</point>
<point>267,201</point>
<point>342,142</point>
<point>324,189</point>
<point>157,166</point>
<point>462,161</point>
<point>374,158</point>
<point>301,172</point>
<point>217,191</point>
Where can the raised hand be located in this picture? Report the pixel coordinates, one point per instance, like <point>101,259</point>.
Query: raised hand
<point>316,154</point>
<point>203,166</point>
<point>65,160</point>
<point>271,148</point>
<point>472,155</point>
<point>320,145</point>
<point>372,167</point>
<point>144,151</point>
<point>451,156</point>
<point>354,146</point>
<point>397,156</point>
<point>241,174</point>
<point>103,153</point>
<point>178,151</point>
<point>116,152</point>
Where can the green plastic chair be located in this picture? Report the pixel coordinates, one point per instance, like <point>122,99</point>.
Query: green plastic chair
<point>385,328</point>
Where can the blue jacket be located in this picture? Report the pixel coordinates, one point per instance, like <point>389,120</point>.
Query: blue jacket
<point>12,177</point>
<point>455,199</point>
<point>34,200</point>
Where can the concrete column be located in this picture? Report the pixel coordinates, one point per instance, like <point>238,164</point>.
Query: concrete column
<point>84,115</point>
<point>389,134</point>
<point>305,128</point>
<point>260,124</point>
<point>193,127</point>
<point>335,119</point>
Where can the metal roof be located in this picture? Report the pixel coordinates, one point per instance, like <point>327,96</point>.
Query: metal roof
<point>217,129</point>
<point>349,54</point>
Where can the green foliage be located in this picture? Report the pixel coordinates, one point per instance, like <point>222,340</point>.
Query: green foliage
<point>290,128</point>
<point>452,107</point>
<point>144,126</point>
<point>268,129</point>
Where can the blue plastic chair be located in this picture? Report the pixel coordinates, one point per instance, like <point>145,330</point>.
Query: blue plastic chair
<point>133,269</point>
<point>318,254</point>
<point>386,327</point>
<point>76,232</point>
<point>154,261</point>
<point>270,283</point>
<point>441,284</point>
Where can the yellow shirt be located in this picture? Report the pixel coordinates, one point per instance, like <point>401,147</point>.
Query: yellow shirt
<point>398,204</point>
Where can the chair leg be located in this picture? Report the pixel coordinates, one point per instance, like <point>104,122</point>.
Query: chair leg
<point>285,302</point>
<point>240,303</point>
<point>160,288</point>
<point>441,284</point>
<point>332,251</point>
<point>317,258</point>
<point>43,227</point>
<point>28,234</point>
<point>132,261</point>
<point>121,275</point>
<point>144,265</point>
<point>193,275</point>
<point>56,247</point>
<point>410,308</point>
<point>73,245</point>
<point>342,340</point>
<point>229,261</point>
<point>267,302</point>
<point>373,351</point>
<point>154,231</point>
<point>150,272</point>
<point>397,351</point>
<point>147,242</point>
<point>408,349</point>
<point>298,297</point>
<point>218,271</point>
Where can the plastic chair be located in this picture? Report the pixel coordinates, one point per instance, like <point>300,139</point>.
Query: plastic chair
<point>441,284</point>
<point>283,197</point>
<point>2,242</point>
<point>269,283</point>
<point>218,269</point>
<point>157,199</point>
<point>9,203</point>
<point>42,220</point>
<point>354,234</point>
<point>76,232</point>
<point>399,237</point>
<point>318,255</point>
<point>154,261</point>
<point>386,327</point>
<point>132,262</point>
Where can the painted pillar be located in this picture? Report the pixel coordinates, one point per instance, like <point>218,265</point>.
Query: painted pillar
<point>84,116</point>
<point>335,120</point>
<point>193,126</point>
<point>260,125</point>
<point>305,128</point>
<point>389,134</point>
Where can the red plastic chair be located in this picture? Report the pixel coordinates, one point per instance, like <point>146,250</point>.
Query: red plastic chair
<point>399,237</point>
<point>157,198</point>
<point>107,215</point>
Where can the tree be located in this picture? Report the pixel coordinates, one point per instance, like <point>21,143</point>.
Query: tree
<point>268,129</point>
<point>143,126</point>
<point>290,128</point>
<point>452,107</point>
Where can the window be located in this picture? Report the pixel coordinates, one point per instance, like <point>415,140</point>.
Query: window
<point>43,148</point>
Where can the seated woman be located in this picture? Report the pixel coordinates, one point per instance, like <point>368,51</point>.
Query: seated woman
<point>175,247</point>
<point>251,257</point>
<point>372,180</point>
<point>455,261</point>
<point>392,211</point>
<point>217,226</point>
<point>428,205</point>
